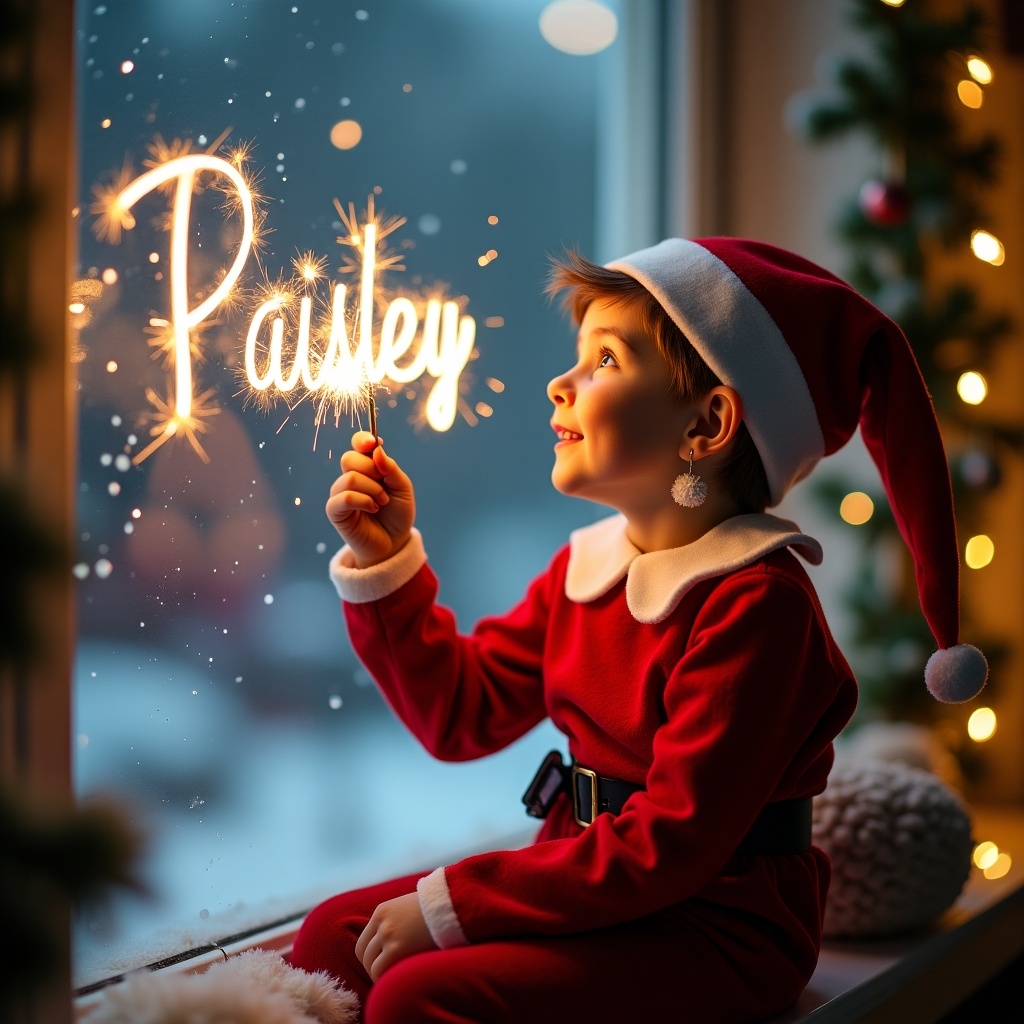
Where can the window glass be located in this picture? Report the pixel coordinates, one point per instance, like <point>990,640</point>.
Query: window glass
<point>216,693</point>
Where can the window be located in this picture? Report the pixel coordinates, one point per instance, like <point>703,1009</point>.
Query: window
<point>215,690</point>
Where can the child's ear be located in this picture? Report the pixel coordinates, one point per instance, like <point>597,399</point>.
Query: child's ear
<point>717,418</point>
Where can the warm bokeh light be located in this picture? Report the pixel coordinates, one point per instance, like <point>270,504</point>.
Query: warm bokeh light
<point>981,725</point>
<point>492,219</point>
<point>856,508</point>
<point>579,27</point>
<point>893,3</point>
<point>970,93</point>
<point>109,276</point>
<point>76,307</point>
<point>985,854</point>
<point>999,867</point>
<point>972,387</point>
<point>980,69</point>
<point>979,551</point>
<point>127,67</point>
<point>494,321</point>
<point>346,134</point>
<point>987,247</point>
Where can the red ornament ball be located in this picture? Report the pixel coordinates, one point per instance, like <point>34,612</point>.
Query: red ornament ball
<point>885,203</point>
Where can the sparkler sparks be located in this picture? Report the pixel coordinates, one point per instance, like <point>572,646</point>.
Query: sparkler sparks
<point>113,216</point>
<point>320,348</point>
<point>168,423</point>
<point>184,413</point>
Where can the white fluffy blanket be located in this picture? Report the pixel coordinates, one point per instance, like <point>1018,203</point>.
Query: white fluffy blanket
<point>255,987</point>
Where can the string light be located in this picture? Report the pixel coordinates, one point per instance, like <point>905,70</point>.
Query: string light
<point>856,508</point>
<point>970,93</point>
<point>979,551</point>
<point>981,726</point>
<point>985,854</point>
<point>987,248</point>
<point>972,387</point>
<point>979,68</point>
<point>999,867</point>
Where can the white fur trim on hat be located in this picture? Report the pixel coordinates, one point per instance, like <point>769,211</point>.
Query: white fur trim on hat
<point>742,344</point>
<point>361,586</point>
<point>956,674</point>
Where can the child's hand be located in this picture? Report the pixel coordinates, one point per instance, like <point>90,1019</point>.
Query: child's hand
<point>396,929</point>
<point>372,504</point>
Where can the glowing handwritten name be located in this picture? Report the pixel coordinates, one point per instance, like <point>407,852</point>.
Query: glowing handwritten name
<point>183,319</point>
<point>446,344</point>
<point>346,371</point>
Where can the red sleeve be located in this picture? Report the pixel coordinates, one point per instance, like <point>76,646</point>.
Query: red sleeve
<point>751,709</point>
<point>461,696</point>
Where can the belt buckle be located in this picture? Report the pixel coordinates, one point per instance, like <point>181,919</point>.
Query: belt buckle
<point>592,775</point>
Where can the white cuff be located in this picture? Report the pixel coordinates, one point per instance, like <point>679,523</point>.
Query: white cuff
<point>438,912</point>
<point>361,586</point>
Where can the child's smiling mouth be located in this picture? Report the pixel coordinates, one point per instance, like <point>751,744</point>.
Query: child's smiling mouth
<point>564,434</point>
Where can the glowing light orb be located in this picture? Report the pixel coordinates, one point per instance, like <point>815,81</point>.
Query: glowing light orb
<point>985,854</point>
<point>972,387</point>
<point>578,27</point>
<point>346,134</point>
<point>987,248</point>
<point>970,94</point>
<point>980,69</point>
<point>999,867</point>
<point>979,551</point>
<point>856,508</point>
<point>981,726</point>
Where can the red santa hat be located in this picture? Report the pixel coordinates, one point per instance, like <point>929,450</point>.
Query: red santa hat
<point>813,360</point>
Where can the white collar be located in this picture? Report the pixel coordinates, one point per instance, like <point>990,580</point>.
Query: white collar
<point>601,554</point>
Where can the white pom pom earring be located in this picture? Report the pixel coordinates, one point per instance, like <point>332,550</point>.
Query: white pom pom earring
<point>689,490</point>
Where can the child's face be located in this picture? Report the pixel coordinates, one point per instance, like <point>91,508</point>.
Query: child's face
<point>619,425</point>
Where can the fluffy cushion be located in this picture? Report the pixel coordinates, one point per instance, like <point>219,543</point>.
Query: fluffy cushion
<point>255,987</point>
<point>900,844</point>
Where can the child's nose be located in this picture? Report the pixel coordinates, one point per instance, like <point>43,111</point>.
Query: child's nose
<point>560,389</point>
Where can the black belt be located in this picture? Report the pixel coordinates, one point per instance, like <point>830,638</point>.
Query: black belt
<point>780,828</point>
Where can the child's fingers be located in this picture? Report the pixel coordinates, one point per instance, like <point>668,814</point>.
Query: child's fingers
<point>364,441</point>
<point>353,461</point>
<point>360,483</point>
<point>392,474</point>
<point>341,506</point>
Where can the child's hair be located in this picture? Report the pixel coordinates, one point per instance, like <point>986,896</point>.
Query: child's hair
<point>742,471</point>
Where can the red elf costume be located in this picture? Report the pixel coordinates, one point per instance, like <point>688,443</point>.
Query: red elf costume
<point>699,689</point>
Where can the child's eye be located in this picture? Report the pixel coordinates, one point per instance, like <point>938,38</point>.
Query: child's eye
<point>606,359</point>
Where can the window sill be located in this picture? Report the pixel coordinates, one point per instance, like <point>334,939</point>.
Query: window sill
<point>895,981</point>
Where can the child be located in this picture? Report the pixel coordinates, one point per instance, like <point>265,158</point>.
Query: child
<point>679,645</point>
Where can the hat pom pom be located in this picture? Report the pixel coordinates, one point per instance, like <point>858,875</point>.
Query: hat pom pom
<point>956,674</point>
